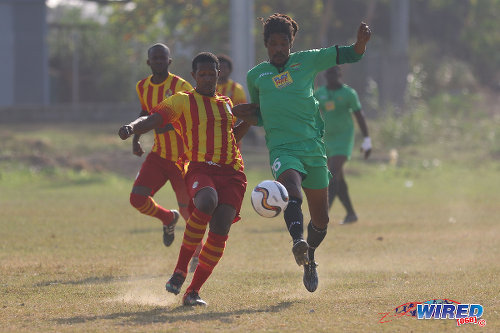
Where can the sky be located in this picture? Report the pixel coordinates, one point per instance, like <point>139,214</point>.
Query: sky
<point>54,3</point>
<point>89,6</point>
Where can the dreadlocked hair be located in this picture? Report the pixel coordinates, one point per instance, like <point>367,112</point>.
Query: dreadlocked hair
<point>280,23</point>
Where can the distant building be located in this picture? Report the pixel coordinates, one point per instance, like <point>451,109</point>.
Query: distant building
<point>24,76</point>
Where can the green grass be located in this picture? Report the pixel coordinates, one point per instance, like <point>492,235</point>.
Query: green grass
<point>75,256</point>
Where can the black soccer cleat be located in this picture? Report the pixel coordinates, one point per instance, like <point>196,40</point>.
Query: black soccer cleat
<point>299,250</point>
<point>174,284</point>
<point>310,278</point>
<point>169,230</point>
<point>193,299</point>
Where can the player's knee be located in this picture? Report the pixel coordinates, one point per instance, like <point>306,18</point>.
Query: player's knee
<point>206,200</point>
<point>222,219</point>
<point>137,200</point>
<point>320,219</point>
<point>322,223</point>
<point>292,181</point>
<point>222,227</point>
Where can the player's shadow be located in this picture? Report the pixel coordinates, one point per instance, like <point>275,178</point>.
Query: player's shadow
<point>96,280</point>
<point>150,230</point>
<point>181,313</point>
<point>278,229</point>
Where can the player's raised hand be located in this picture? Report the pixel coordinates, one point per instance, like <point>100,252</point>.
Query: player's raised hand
<point>125,132</point>
<point>364,34</point>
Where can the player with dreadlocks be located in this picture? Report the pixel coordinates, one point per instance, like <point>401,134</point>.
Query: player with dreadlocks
<point>283,88</point>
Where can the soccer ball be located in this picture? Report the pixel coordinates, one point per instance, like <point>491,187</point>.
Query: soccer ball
<point>269,198</point>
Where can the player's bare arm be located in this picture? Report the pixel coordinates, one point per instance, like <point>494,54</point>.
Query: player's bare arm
<point>247,112</point>
<point>140,125</point>
<point>364,34</point>
<point>136,144</point>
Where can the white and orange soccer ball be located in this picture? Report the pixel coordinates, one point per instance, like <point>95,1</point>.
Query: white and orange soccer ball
<point>269,198</point>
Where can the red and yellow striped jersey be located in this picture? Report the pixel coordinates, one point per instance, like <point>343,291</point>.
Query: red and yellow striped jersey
<point>168,144</point>
<point>206,126</point>
<point>232,90</point>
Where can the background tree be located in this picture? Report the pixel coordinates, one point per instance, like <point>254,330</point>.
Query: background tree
<point>453,45</point>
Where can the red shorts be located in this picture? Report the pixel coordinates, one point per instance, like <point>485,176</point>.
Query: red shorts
<point>156,171</point>
<point>230,184</point>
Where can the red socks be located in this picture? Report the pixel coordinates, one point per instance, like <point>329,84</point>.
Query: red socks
<point>193,235</point>
<point>209,257</point>
<point>146,205</point>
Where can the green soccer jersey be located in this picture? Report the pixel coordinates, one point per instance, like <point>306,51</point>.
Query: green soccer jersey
<point>288,110</point>
<point>336,107</point>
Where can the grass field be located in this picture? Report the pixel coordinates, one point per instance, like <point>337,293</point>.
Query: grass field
<point>75,256</point>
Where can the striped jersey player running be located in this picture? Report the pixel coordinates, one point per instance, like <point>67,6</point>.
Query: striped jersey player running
<point>161,164</point>
<point>215,178</point>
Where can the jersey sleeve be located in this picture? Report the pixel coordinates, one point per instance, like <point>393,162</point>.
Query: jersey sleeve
<point>253,91</point>
<point>229,104</point>
<point>143,105</point>
<point>334,55</point>
<point>323,58</point>
<point>239,96</point>
<point>346,54</point>
<point>252,88</point>
<point>354,102</point>
<point>185,86</point>
<point>170,108</point>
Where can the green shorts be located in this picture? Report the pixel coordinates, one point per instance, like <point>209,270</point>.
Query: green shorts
<point>307,157</point>
<point>340,143</point>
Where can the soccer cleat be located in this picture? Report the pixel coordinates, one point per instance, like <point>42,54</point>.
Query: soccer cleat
<point>169,230</point>
<point>193,299</point>
<point>350,218</point>
<point>175,282</point>
<point>310,276</point>
<point>194,263</point>
<point>299,250</point>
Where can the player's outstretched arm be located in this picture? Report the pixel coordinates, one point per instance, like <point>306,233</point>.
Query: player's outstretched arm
<point>247,112</point>
<point>363,36</point>
<point>354,53</point>
<point>140,125</point>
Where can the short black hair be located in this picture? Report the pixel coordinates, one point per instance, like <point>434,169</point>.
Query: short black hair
<point>280,23</point>
<point>205,57</point>
<point>227,59</point>
<point>158,45</point>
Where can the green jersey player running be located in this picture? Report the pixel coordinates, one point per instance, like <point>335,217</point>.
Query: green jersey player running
<point>283,89</point>
<point>337,103</point>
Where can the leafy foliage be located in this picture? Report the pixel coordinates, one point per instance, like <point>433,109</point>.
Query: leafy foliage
<point>449,39</point>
